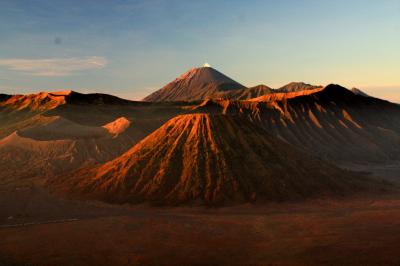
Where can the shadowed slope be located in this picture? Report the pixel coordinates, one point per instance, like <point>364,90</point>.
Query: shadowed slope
<point>245,93</point>
<point>4,97</point>
<point>210,160</point>
<point>56,128</point>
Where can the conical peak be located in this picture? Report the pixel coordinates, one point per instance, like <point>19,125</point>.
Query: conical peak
<point>204,75</point>
<point>196,84</point>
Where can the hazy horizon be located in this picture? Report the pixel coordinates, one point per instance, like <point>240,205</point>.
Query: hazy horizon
<point>132,48</point>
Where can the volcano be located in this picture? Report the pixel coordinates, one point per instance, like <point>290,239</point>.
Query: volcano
<point>212,160</point>
<point>196,84</point>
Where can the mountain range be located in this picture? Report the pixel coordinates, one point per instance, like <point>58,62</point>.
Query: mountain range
<point>202,139</point>
<point>206,82</point>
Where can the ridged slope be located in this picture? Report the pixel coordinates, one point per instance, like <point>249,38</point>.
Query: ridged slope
<point>333,122</point>
<point>209,160</point>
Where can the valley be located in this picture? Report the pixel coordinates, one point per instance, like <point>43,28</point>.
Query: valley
<point>238,176</point>
<point>350,231</point>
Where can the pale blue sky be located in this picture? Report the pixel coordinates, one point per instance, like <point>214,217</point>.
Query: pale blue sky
<point>130,48</point>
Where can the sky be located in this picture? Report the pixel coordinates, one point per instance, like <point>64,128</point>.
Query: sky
<point>132,48</point>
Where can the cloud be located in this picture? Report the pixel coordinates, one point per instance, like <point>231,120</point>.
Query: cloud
<point>54,67</point>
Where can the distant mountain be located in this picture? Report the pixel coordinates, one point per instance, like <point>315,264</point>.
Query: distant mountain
<point>43,101</point>
<point>247,93</point>
<point>359,92</point>
<point>297,86</point>
<point>212,160</point>
<point>196,84</point>
<point>208,83</point>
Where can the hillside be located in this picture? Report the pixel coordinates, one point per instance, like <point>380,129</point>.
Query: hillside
<point>332,123</point>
